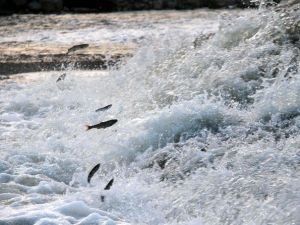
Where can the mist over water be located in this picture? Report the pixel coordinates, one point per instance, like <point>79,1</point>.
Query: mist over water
<point>207,133</point>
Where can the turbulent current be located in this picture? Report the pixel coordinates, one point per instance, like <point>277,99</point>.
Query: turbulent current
<point>208,133</point>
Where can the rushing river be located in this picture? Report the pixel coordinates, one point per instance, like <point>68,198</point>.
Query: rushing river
<point>208,133</point>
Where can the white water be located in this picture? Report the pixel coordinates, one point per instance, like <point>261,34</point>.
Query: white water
<point>221,119</point>
<point>95,29</point>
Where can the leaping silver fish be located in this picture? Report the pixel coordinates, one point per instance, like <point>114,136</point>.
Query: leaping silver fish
<point>92,172</point>
<point>61,77</point>
<point>77,47</point>
<point>104,108</point>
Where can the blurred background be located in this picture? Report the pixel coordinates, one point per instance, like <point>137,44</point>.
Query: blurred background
<point>58,6</point>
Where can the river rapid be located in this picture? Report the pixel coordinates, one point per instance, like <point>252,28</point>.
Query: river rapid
<point>208,132</point>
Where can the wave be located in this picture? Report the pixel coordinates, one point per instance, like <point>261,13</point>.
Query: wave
<point>207,133</point>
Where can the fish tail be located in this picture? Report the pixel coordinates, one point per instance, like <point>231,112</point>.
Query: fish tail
<point>87,127</point>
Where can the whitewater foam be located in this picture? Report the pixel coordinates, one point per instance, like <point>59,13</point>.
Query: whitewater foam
<point>205,135</point>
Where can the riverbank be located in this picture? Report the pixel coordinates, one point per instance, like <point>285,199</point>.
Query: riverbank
<point>31,43</point>
<point>27,57</point>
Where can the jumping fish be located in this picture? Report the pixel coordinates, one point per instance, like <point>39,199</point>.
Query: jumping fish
<point>104,108</point>
<point>107,187</point>
<point>61,77</point>
<point>77,47</point>
<point>92,172</point>
<point>102,125</point>
<point>109,184</point>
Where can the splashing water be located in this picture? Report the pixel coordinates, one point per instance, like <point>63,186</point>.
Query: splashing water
<point>206,134</point>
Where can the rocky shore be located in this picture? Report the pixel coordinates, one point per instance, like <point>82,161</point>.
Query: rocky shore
<point>23,58</point>
<point>57,6</point>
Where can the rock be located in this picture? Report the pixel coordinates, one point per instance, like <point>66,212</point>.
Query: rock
<point>51,5</point>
